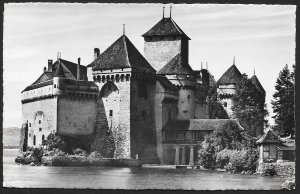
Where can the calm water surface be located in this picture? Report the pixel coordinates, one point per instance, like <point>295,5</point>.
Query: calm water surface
<point>127,178</point>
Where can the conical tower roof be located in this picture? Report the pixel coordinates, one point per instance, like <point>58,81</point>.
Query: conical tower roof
<point>121,54</point>
<point>256,82</point>
<point>166,26</point>
<point>231,76</point>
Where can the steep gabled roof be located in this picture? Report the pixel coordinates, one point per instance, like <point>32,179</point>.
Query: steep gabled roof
<point>200,124</point>
<point>269,137</point>
<point>59,72</point>
<point>166,26</point>
<point>70,69</point>
<point>256,82</point>
<point>44,77</point>
<point>231,76</point>
<point>121,54</point>
<point>176,66</point>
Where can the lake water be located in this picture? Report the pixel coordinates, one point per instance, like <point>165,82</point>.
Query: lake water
<point>127,178</point>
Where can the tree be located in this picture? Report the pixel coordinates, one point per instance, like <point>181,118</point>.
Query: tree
<point>283,103</point>
<point>249,106</point>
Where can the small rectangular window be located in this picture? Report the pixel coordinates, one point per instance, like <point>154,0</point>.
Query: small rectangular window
<point>40,121</point>
<point>225,104</point>
<point>29,124</point>
<point>110,113</point>
<point>54,85</point>
<point>40,129</point>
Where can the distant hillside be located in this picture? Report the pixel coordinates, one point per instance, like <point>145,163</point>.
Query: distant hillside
<point>11,136</point>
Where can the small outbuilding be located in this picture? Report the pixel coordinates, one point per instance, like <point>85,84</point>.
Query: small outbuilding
<point>272,148</point>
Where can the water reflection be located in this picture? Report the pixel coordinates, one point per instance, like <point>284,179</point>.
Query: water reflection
<point>128,178</point>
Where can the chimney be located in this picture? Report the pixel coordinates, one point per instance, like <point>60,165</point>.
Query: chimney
<point>50,65</point>
<point>78,69</point>
<point>96,53</point>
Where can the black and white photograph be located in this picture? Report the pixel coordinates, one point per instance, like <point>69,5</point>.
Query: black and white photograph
<point>137,96</point>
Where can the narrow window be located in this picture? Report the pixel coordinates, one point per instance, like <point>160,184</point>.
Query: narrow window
<point>40,129</point>
<point>225,104</point>
<point>34,140</point>
<point>43,138</point>
<point>29,124</point>
<point>54,85</point>
<point>110,113</point>
<point>40,121</point>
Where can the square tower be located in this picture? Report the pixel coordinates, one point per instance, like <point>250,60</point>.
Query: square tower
<point>163,42</point>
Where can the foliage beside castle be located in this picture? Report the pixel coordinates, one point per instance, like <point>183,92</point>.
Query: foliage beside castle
<point>130,105</point>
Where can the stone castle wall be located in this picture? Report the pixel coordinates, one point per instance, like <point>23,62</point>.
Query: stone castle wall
<point>142,120</point>
<point>186,104</point>
<point>113,132</point>
<point>42,119</point>
<point>76,116</point>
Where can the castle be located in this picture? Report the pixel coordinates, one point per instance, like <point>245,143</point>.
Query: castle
<point>151,106</point>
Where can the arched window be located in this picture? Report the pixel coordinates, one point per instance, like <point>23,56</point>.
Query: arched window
<point>34,140</point>
<point>43,138</point>
<point>127,77</point>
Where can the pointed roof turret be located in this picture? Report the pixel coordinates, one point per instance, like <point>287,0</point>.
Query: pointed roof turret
<point>121,54</point>
<point>59,72</point>
<point>177,66</point>
<point>231,76</point>
<point>256,82</point>
<point>166,26</point>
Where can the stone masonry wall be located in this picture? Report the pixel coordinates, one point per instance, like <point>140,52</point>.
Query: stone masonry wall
<point>186,104</point>
<point>76,117</point>
<point>48,123</point>
<point>112,137</point>
<point>142,121</point>
<point>282,169</point>
<point>159,53</point>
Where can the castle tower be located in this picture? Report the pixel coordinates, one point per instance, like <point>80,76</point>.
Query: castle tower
<point>164,41</point>
<point>179,72</point>
<point>226,87</point>
<point>125,115</point>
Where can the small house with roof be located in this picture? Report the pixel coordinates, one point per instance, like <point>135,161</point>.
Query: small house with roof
<point>272,148</point>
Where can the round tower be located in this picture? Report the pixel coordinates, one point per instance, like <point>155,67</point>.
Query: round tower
<point>59,75</point>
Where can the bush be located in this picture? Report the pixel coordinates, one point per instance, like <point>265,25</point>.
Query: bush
<point>269,171</point>
<point>80,152</point>
<point>223,157</point>
<point>55,142</point>
<point>237,160</point>
<point>37,155</point>
<point>250,159</point>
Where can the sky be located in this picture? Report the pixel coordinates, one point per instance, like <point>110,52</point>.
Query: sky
<point>261,37</point>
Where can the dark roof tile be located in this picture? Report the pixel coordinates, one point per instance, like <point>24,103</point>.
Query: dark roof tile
<point>176,66</point>
<point>269,137</point>
<point>166,26</point>
<point>256,82</point>
<point>121,54</point>
<point>200,124</point>
<point>231,76</point>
